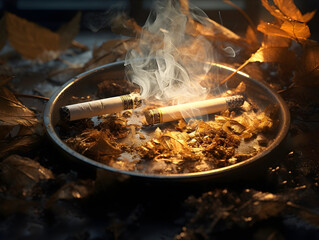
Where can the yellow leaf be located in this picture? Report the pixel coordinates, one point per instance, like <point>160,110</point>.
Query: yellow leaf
<point>30,39</point>
<point>68,31</point>
<point>289,9</point>
<point>272,29</point>
<point>273,54</point>
<point>289,29</point>
<point>251,37</point>
<point>296,30</point>
<point>277,41</point>
<point>273,10</point>
<point>12,112</point>
<point>35,42</point>
<point>124,26</point>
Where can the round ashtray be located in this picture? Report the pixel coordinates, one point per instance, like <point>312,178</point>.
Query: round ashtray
<point>86,84</point>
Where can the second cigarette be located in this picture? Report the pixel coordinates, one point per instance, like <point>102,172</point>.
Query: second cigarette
<point>193,109</point>
<point>100,107</point>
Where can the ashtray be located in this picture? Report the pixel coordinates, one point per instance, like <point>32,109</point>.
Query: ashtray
<point>86,85</point>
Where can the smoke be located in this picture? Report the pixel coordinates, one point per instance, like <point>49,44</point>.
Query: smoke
<point>170,63</point>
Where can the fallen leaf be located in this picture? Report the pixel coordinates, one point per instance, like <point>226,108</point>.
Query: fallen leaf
<point>18,145</point>
<point>210,29</point>
<point>74,190</point>
<point>12,112</point>
<point>35,42</point>
<point>184,6</point>
<point>289,9</point>
<point>293,30</point>
<point>20,174</point>
<point>3,33</point>
<point>251,37</point>
<point>291,23</point>
<point>273,54</point>
<point>276,41</point>
<point>110,51</point>
<point>31,40</point>
<point>273,10</point>
<point>268,53</point>
<point>78,45</point>
<point>125,26</point>
<point>272,29</point>
<point>296,30</point>
<point>68,31</point>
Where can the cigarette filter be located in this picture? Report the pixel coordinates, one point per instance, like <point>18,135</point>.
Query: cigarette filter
<point>193,109</point>
<point>100,107</point>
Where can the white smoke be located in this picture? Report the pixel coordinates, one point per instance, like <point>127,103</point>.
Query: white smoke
<point>169,63</point>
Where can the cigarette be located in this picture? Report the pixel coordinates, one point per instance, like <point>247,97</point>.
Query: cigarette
<point>100,107</point>
<point>193,109</point>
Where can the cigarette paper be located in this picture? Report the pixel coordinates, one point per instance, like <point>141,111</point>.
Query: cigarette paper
<point>100,107</point>
<point>193,109</point>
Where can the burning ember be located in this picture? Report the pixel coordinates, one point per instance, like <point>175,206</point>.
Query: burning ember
<point>177,120</point>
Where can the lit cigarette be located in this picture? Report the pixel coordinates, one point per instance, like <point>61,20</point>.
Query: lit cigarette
<point>193,109</point>
<point>100,107</point>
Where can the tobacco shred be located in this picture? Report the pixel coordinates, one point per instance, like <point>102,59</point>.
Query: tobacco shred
<point>177,147</point>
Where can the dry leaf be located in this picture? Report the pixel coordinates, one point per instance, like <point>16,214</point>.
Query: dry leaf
<point>184,6</point>
<point>78,45</point>
<point>290,21</point>
<point>273,10</point>
<point>273,54</point>
<point>74,190</point>
<point>211,29</point>
<point>293,30</point>
<point>68,31</point>
<point>110,51</point>
<point>251,37</point>
<point>269,52</point>
<point>21,174</point>
<point>31,40</point>
<point>296,30</point>
<point>289,9</point>
<point>35,42</point>
<point>271,29</point>
<point>3,33</point>
<point>124,26</point>
<point>20,144</point>
<point>286,10</point>
<point>275,41</point>
<point>12,112</point>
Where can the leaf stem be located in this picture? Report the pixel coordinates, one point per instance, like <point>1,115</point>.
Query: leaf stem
<point>233,73</point>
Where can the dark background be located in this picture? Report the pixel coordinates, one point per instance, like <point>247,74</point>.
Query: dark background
<point>53,13</point>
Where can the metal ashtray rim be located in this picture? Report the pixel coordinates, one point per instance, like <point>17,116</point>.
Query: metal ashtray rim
<point>196,175</point>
